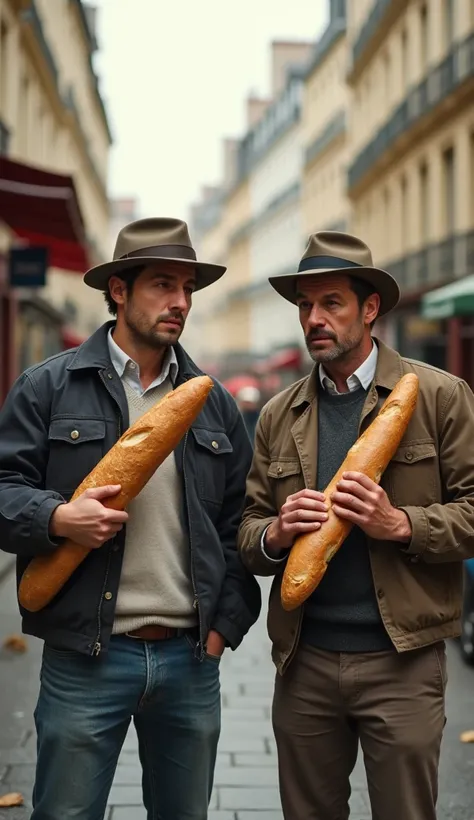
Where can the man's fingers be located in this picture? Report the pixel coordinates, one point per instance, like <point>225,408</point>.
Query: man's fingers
<point>348,501</point>
<point>116,516</point>
<point>360,478</point>
<point>353,488</point>
<point>306,515</point>
<point>306,504</point>
<point>346,513</point>
<point>308,494</point>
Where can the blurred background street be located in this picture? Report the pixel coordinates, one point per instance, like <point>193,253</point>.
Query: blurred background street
<point>258,124</point>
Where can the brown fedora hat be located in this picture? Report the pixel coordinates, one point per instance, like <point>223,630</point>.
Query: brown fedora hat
<point>148,241</point>
<point>336,252</point>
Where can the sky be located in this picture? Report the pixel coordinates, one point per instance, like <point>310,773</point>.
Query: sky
<point>175,76</point>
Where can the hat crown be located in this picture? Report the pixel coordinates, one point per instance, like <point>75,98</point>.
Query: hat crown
<point>151,233</point>
<point>340,246</point>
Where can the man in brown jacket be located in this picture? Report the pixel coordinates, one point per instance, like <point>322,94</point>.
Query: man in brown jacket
<point>364,658</point>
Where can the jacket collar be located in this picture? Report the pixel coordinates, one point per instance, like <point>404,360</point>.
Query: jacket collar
<point>94,353</point>
<point>388,372</point>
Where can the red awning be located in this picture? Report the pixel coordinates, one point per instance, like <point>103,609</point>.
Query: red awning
<point>283,360</point>
<point>70,338</point>
<point>43,209</point>
<point>235,383</point>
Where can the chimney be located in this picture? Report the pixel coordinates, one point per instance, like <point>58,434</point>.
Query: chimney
<point>256,107</point>
<point>230,148</point>
<point>285,54</point>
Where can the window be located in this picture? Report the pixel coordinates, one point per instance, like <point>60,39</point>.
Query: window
<point>387,86</point>
<point>23,118</point>
<point>424,39</point>
<point>449,190</point>
<point>449,22</point>
<point>404,222</point>
<point>404,61</point>
<point>424,204</point>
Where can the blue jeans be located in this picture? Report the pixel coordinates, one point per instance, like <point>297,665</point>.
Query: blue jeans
<point>84,710</point>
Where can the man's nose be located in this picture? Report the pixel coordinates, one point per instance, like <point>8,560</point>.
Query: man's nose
<point>316,317</point>
<point>179,301</point>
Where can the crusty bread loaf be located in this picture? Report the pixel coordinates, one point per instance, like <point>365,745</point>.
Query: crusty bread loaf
<point>131,463</point>
<point>370,455</point>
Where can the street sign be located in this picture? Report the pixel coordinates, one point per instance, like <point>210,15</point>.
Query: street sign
<point>27,267</point>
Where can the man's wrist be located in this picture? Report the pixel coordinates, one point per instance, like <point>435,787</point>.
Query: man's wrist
<point>56,522</point>
<point>271,546</point>
<point>402,527</point>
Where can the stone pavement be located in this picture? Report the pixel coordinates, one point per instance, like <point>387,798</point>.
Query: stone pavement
<point>246,774</point>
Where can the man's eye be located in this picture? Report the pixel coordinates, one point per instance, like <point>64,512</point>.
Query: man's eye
<point>304,306</point>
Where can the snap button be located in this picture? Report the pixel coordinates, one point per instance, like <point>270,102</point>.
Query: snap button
<point>133,366</point>
<point>108,596</point>
<point>109,376</point>
<point>215,445</point>
<point>279,470</point>
<point>408,456</point>
<point>74,434</point>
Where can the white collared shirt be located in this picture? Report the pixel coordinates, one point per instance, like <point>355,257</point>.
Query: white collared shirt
<point>362,377</point>
<point>129,371</point>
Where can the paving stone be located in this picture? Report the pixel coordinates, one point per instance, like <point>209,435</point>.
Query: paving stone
<point>251,759</point>
<point>249,798</point>
<point>234,743</point>
<point>259,713</point>
<point>246,776</point>
<point>260,815</point>
<point>128,775</point>
<point>21,775</point>
<point>132,796</point>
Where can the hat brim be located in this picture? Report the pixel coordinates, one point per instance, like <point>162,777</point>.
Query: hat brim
<point>98,277</point>
<point>382,282</point>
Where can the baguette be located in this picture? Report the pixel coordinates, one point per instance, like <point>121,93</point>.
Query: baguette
<point>370,455</point>
<point>131,463</point>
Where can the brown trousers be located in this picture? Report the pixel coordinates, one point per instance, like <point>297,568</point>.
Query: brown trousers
<point>392,703</point>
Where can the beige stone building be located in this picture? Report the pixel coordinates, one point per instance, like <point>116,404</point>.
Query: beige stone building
<point>54,146</point>
<point>387,152</point>
<point>325,122</point>
<point>411,174</point>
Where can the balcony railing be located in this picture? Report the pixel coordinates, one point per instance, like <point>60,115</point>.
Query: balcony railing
<point>334,129</point>
<point>370,26</point>
<point>445,78</point>
<point>4,139</point>
<point>436,263</point>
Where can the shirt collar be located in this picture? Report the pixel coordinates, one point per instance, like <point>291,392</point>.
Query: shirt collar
<point>362,377</point>
<point>120,361</point>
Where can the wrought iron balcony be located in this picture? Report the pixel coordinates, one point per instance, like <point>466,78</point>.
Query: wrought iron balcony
<point>445,78</point>
<point>334,129</point>
<point>436,263</point>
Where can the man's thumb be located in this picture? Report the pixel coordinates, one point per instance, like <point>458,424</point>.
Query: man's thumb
<point>103,492</point>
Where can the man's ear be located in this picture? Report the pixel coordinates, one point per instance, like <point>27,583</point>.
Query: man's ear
<point>117,290</point>
<point>371,308</point>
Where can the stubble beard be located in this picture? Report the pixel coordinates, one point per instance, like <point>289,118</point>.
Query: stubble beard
<point>146,334</point>
<point>341,348</point>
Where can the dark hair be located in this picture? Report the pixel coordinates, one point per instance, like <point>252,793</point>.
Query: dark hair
<point>129,276</point>
<point>362,290</point>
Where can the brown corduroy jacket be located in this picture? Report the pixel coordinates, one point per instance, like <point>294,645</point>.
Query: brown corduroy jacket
<point>431,477</point>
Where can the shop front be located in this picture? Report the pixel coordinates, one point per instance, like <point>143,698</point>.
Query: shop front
<point>452,306</point>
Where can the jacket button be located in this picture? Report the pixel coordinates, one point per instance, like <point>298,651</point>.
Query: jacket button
<point>108,596</point>
<point>109,375</point>
<point>215,445</point>
<point>75,434</point>
<point>408,456</point>
<point>279,470</point>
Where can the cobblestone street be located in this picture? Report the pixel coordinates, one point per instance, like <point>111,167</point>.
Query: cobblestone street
<point>246,775</point>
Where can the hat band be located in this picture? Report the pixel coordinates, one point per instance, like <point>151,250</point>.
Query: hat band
<point>323,262</point>
<point>169,251</point>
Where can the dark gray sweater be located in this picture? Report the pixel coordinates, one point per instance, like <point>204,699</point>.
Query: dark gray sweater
<point>342,613</point>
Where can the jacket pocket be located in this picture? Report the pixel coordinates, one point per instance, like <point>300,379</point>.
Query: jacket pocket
<point>211,448</point>
<point>412,475</point>
<point>285,479</point>
<point>76,445</point>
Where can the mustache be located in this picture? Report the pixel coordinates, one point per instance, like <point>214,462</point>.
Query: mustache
<point>315,335</point>
<point>171,317</point>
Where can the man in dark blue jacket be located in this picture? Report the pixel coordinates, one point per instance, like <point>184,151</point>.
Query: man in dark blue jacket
<point>139,629</point>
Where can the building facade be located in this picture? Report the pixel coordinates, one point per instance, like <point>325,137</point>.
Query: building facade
<point>54,146</point>
<point>411,175</point>
<point>381,144</point>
